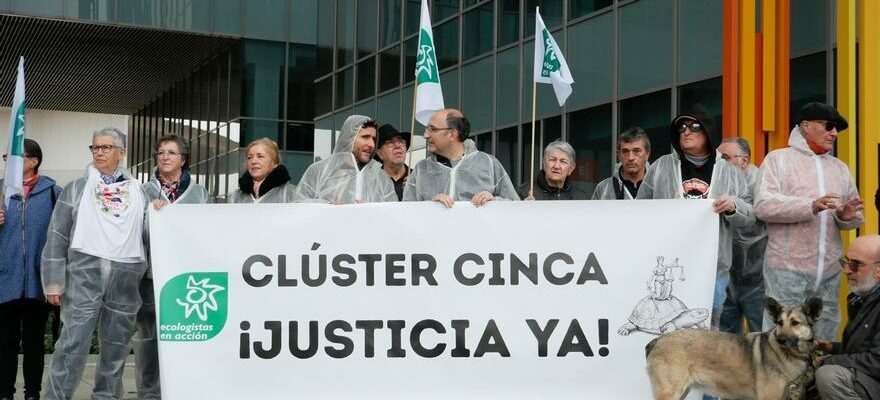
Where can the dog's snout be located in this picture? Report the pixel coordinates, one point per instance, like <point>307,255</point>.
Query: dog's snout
<point>786,340</point>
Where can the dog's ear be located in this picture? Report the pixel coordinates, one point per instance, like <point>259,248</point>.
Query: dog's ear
<point>813,308</point>
<point>773,307</point>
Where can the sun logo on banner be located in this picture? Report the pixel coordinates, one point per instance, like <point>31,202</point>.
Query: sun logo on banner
<point>199,298</point>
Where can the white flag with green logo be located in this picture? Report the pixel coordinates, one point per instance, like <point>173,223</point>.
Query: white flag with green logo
<point>430,94</point>
<point>15,150</point>
<point>550,65</point>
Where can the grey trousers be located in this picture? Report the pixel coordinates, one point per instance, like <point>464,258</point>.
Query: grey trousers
<point>146,350</point>
<point>836,383</point>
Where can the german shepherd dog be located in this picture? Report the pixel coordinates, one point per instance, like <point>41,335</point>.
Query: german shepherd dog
<point>758,366</point>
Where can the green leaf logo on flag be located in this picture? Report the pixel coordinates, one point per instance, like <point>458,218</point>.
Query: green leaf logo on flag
<point>193,307</point>
<point>551,62</point>
<point>426,61</point>
<point>18,130</point>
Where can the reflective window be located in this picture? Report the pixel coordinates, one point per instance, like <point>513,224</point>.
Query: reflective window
<point>6,6</point>
<point>300,82</point>
<point>505,150</point>
<point>576,8</point>
<point>508,22</point>
<point>300,136</point>
<point>345,13</point>
<point>325,37</point>
<point>227,17</point>
<point>297,162</point>
<point>324,96</point>
<point>366,108</point>
<point>406,100</point>
<point>344,87</point>
<point>366,78</point>
<point>593,71</point>
<point>551,13</point>
<point>255,129</point>
<point>389,25</point>
<point>507,97</point>
<point>484,142</point>
<point>96,10</point>
<point>264,19</point>
<point>809,24</point>
<point>645,45</point>
<point>188,15</point>
<point>389,108</point>
<point>443,9</point>
<point>410,48</point>
<point>366,27</point>
<point>476,88</point>
<point>136,12</point>
<point>589,132</point>
<point>263,73</point>
<point>389,68</point>
<point>707,93</point>
<point>478,31</point>
<point>652,113</point>
<point>449,83</point>
<point>413,15</point>
<point>699,38</point>
<point>303,25</point>
<point>446,43</point>
<point>808,82</point>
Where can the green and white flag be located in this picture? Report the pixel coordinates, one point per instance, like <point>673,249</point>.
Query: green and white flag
<point>15,150</point>
<point>430,94</point>
<point>550,65</point>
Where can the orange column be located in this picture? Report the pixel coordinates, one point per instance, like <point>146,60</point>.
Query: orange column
<point>779,138</point>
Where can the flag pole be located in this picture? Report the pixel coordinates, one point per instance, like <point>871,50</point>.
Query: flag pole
<point>532,169</point>
<point>412,123</point>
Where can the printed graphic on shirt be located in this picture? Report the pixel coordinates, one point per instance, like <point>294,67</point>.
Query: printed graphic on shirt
<point>695,189</point>
<point>113,199</point>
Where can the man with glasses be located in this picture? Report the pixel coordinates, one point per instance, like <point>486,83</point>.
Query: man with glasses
<point>633,151</point>
<point>694,170</point>
<point>391,148</point>
<point>806,197</point>
<point>92,265</point>
<point>851,369</point>
<point>745,294</point>
<point>456,170</point>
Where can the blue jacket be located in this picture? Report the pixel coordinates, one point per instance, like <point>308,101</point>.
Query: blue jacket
<point>22,237</point>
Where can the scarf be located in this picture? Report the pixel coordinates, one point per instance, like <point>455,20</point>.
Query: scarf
<point>109,220</point>
<point>170,190</point>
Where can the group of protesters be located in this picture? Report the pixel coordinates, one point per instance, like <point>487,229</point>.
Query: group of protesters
<point>86,248</point>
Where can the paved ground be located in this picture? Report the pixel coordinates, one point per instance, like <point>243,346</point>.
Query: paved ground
<point>84,392</point>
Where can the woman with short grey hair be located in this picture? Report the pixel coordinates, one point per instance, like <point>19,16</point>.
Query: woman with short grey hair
<point>551,182</point>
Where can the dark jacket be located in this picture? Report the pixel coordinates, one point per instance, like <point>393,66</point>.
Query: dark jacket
<point>543,190</point>
<point>22,238</point>
<point>860,349</point>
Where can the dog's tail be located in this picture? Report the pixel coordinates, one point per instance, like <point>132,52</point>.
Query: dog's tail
<point>650,346</point>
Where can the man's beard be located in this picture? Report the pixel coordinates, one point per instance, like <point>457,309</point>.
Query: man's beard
<point>865,287</point>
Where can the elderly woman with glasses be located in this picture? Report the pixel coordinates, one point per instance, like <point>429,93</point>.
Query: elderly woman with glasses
<point>266,180</point>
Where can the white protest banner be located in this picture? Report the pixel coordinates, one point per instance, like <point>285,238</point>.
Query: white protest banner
<point>411,300</point>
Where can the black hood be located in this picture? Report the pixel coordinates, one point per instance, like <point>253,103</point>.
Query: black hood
<point>702,115</point>
<point>279,176</point>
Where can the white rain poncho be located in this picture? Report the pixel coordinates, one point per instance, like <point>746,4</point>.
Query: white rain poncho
<point>146,350</point>
<point>337,179</point>
<point>473,173</point>
<point>803,249</point>
<point>605,190</point>
<point>282,191</point>
<point>94,291</point>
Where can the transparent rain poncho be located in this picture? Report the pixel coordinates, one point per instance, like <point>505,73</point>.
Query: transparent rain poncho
<point>93,291</point>
<point>281,194</point>
<point>472,174</point>
<point>605,189</point>
<point>337,179</point>
<point>803,249</point>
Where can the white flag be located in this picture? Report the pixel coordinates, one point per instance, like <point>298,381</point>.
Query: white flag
<point>15,151</point>
<point>550,65</point>
<point>430,94</point>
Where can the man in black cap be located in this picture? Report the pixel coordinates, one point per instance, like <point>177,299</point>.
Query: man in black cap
<point>806,197</point>
<point>391,151</point>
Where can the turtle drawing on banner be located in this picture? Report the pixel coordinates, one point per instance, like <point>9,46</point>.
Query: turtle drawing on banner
<point>660,312</point>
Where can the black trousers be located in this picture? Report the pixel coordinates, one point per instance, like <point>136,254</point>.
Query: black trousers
<point>22,321</point>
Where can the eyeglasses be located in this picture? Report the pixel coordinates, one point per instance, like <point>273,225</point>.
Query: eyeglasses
<point>170,154</point>
<point>432,129</point>
<point>693,126</point>
<point>103,149</point>
<point>855,265</point>
<point>829,125</point>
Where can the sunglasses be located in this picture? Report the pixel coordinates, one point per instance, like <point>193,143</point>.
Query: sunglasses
<point>693,126</point>
<point>854,265</point>
<point>829,125</point>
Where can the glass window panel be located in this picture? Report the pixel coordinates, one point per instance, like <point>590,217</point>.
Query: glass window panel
<point>652,113</point>
<point>366,27</point>
<point>508,22</point>
<point>406,121</point>
<point>699,38</point>
<point>227,17</point>
<point>484,142</point>
<point>345,16</point>
<point>297,162</point>
<point>44,8</point>
<point>5,5</point>
<point>264,19</point>
<point>576,8</point>
<point>505,150</point>
<point>645,34</point>
<point>235,81</point>
<point>300,82</point>
<point>546,103</point>
<point>255,129</point>
<point>366,78</point>
<point>593,71</point>
<point>389,69</point>
<point>300,136</point>
<point>808,82</point>
<point>136,12</point>
<point>188,15</point>
<point>326,18</point>
<point>446,42</point>
<point>476,99</point>
<point>344,87</point>
<point>707,93</point>
<point>96,10</point>
<point>444,8</point>
<point>389,108</point>
<point>263,78</point>
<point>413,15</point>
<point>590,135</point>
<point>478,31</point>
<point>366,108</point>
<point>389,25</point>
<point>303,24</point>
<point>410,48</point>
<point>324,96</point>
<point>809,23</point>
<point>449,83</point>
<point>551,12</point>
<point>507,98</point>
